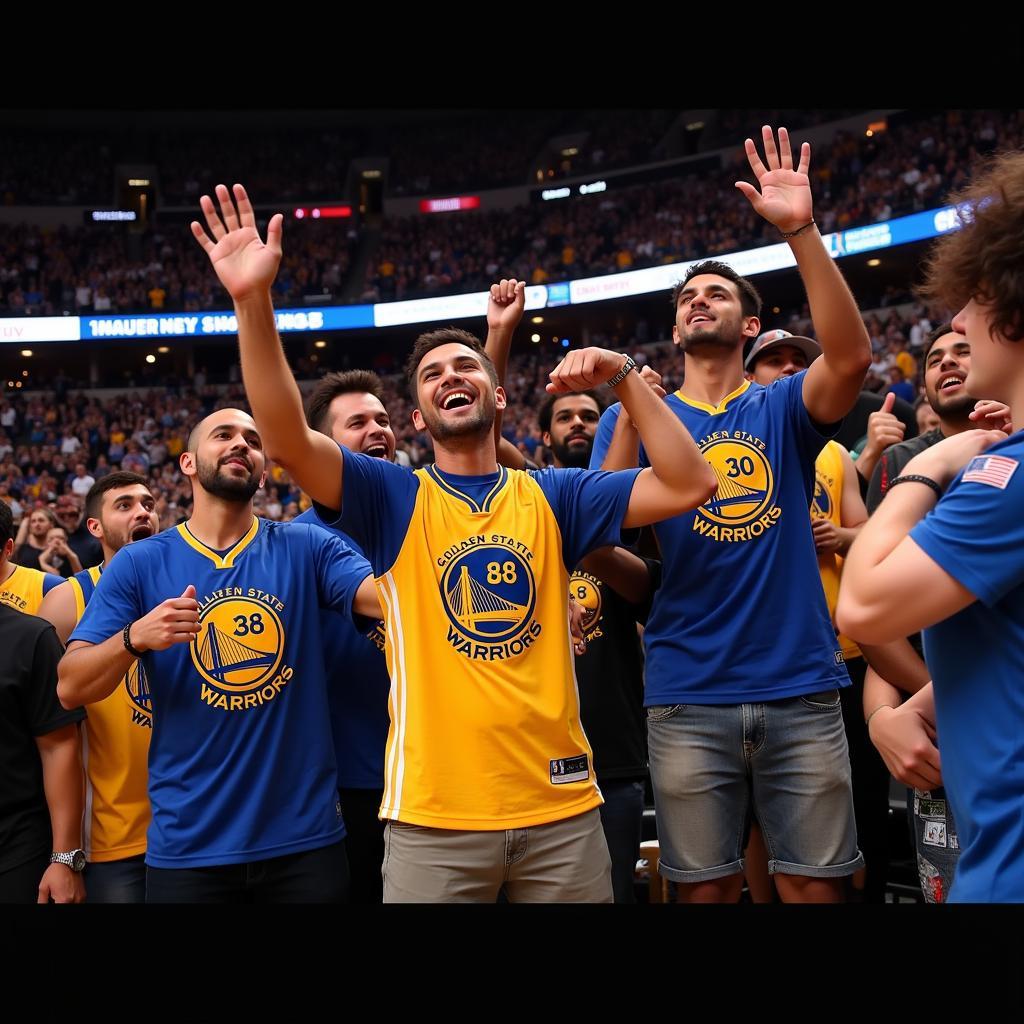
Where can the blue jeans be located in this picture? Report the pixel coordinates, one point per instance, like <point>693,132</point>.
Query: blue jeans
<point>313,876</point>
<point>116,881</point>
<point>935,840</point>
<point>784,762</point>
<point>622,818</point>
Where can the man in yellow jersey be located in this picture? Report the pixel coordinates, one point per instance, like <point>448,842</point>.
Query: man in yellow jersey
<point>119,510</point>
<point>837,514</point>
<point>488,776</point>
<point>20,587</point>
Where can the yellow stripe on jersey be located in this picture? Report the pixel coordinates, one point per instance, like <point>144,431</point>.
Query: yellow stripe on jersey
<point>116,754</point>
<point>485,722</point>
<point>23,589</point>
<point>827,504</point>
<point>722,405</point>
<point>227,560</point>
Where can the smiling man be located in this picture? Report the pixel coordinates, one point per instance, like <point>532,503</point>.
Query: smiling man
<point>489,778</point>
<point>222,613</point>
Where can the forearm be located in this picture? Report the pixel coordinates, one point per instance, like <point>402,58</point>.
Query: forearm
<point>865,464</point>
<point>269,385</point>
<point>497,346</point>
<point>47,566</point>
<point>878,693</point>
<point>92,672</point>
<point>64,786</point>
<point>624,447</point>
<point>898,663</point>
<point>923,702</point>
<point>672,453</point>
<point>624,572</point>
<point>76,562</point>
<point>845,345</point>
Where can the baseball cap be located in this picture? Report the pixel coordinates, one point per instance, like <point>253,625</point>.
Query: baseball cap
<point>772,339</point>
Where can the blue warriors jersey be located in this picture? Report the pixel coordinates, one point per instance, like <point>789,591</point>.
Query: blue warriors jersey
<point>473,574</point>
<point>741,614</point>
<point>359,684</point>
<point>115,752</point>
<point>241,763</point>
<point>976,658</point>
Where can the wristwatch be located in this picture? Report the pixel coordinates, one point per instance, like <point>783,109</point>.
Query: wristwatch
<point>74,859</point>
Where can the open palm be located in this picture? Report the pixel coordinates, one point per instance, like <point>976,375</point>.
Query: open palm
<point>785,196</point>
<point>243,262</point>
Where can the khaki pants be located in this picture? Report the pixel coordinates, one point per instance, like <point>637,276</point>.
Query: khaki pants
<point>562,862</point>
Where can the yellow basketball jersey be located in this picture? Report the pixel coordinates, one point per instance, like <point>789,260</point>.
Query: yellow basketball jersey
<point>23,589</point>
<point>485,721</point>
<point>827,504</point>
<point>116,752</point>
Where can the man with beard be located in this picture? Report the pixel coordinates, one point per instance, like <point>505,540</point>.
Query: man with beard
<point>488,775</point>
<point>119,510</point>
<point>615,587</point>
<point>743,708</point>
<point>943,551</point>
<point>222,613</point>
<point>906,745</point>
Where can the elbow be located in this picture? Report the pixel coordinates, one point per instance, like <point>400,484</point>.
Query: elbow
<point>66,691</point>
<point>707,489</point>
<point>862,623</point>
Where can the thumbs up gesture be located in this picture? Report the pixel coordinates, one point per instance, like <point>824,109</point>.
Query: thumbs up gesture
<point>174,621</point>
<point>884,429</point>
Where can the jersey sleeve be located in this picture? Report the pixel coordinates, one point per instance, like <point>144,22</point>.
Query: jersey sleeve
<point>377,503</point>
<point>50,581</point>
<point>43,710</point>
<point>339,571</point>
<point>116,600</point>
<point>589,506</point>
<point>976,534</point>
<point>811,436</point>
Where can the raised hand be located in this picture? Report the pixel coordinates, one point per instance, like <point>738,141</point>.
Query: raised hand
<point>505,305</point>
<point>244,264</point>
<point>785,196</point>
<point>992,414</point>
<point>586,368</point>
<point>884,429</point>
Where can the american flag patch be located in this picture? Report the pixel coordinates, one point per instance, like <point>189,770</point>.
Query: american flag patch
<point>994,470</point>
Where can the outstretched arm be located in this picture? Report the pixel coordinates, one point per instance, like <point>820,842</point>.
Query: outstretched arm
<point>247,268</point>
<point>505,304</point>
<point>833,381</point>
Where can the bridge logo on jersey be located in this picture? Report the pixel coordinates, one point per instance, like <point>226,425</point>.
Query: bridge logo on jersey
<point>238,650</point>
<point>821,505</point>
<point>585,590</point>
<point>136,688</point>
<point>489,593</point>
<point>742,508</point>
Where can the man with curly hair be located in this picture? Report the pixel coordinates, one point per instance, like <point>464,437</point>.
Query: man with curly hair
<point>945,553</point>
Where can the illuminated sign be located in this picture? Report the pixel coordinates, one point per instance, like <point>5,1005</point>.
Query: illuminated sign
<point>447,205</point>
<point>99,215</point>
<point>318,212</point>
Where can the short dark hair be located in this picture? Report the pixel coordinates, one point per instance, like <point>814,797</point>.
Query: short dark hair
<point>750,297</point>
<point>547,409</point>
<point>6,523</point>
<point>435,339</point>
<point>982,260</point>
<point>933,336</point>
<point>110,482</point>
<point>337,383</point>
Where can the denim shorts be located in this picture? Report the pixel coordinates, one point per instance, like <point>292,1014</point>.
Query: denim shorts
<point>784,762</point>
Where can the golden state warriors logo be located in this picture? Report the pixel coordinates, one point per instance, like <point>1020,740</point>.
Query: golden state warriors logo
<point>741,509</point>
<point>586,592</point>
<point>489,593</point>
<point>136,688</point>
<point>821,506</point>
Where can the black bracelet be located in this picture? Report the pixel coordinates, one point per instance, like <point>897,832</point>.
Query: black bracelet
<point>916,478</point>
<point>799,231</point>
<point>629,364</point>
<point>127,642</point>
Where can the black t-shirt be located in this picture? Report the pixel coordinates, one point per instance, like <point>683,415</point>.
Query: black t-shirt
<point>855,424</point>
<point>28,708</point>
<point>27,556</point>
<point>611,676</point>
